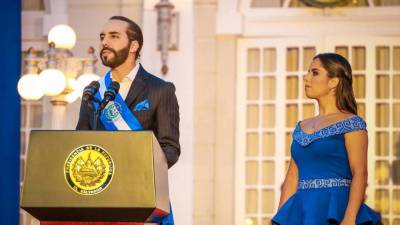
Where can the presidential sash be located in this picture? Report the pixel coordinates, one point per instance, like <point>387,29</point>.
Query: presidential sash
<point>117,116</point>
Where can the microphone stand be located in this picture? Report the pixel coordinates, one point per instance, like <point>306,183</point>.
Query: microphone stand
<point>96,117</point>
<point>96,114</point>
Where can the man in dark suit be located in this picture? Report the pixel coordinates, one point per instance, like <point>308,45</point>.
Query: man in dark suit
<point>150,99</point>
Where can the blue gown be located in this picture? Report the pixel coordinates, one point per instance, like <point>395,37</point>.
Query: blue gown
<point>324,178</point>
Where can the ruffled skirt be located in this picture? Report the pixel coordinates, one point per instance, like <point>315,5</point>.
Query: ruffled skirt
<point>321,206</point>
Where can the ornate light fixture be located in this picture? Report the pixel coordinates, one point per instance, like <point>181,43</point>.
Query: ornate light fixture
<point>58,70</point>
<point>166,31</point>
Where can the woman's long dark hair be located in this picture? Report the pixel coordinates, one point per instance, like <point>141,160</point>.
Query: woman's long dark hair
<point>337,66</point>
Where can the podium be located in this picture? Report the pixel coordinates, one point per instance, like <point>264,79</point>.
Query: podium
<point>95,178</point>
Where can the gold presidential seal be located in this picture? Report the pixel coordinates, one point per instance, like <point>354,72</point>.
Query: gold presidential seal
<point>89,169</point>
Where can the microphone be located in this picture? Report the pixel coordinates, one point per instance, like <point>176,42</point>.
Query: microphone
<point>109,95</point>
<point>89,93</point>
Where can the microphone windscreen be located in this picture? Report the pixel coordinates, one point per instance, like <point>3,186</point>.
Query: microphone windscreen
<point>115,86</point>
<point>95,84</point>
<point>90,91</point>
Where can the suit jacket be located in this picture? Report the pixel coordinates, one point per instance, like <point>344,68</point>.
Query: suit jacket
<point>162,116</point>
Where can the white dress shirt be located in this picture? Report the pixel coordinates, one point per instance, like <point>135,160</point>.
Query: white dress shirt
<point>126,82</point>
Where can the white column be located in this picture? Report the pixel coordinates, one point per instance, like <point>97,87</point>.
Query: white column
<point>59,111</point>
<point>58,115</point>
<point>181,73</point>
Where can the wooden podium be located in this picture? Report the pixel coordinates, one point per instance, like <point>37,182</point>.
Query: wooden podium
<point>95,178</point>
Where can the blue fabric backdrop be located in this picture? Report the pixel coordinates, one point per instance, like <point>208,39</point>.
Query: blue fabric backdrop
<point>10,60</point>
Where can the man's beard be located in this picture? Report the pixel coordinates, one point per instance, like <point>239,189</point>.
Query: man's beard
<point>119,57</point>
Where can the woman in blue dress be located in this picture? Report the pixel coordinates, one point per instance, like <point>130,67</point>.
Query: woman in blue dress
<point>327,175</point>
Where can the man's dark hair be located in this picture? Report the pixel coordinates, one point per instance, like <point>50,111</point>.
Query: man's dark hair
<point>134,32</point>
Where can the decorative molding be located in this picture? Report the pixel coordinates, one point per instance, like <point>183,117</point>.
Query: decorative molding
<point>238,18</point>
<point>314,14</point>
<point>310,21</point>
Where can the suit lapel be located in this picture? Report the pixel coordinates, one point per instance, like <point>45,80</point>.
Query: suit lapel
<point>138,86</point>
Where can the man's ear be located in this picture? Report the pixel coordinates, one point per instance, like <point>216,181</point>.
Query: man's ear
<point>134,47</point>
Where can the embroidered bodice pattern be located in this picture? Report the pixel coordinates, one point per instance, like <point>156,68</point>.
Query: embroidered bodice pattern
<point>351,124</point>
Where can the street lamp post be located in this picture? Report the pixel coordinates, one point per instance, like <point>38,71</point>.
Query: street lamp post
<point>59,69</point>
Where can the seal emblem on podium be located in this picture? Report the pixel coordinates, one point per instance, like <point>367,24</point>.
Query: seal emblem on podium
<point>88,170</point>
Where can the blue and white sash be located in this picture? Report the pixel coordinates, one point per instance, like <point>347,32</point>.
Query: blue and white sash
<point>117,116</point>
